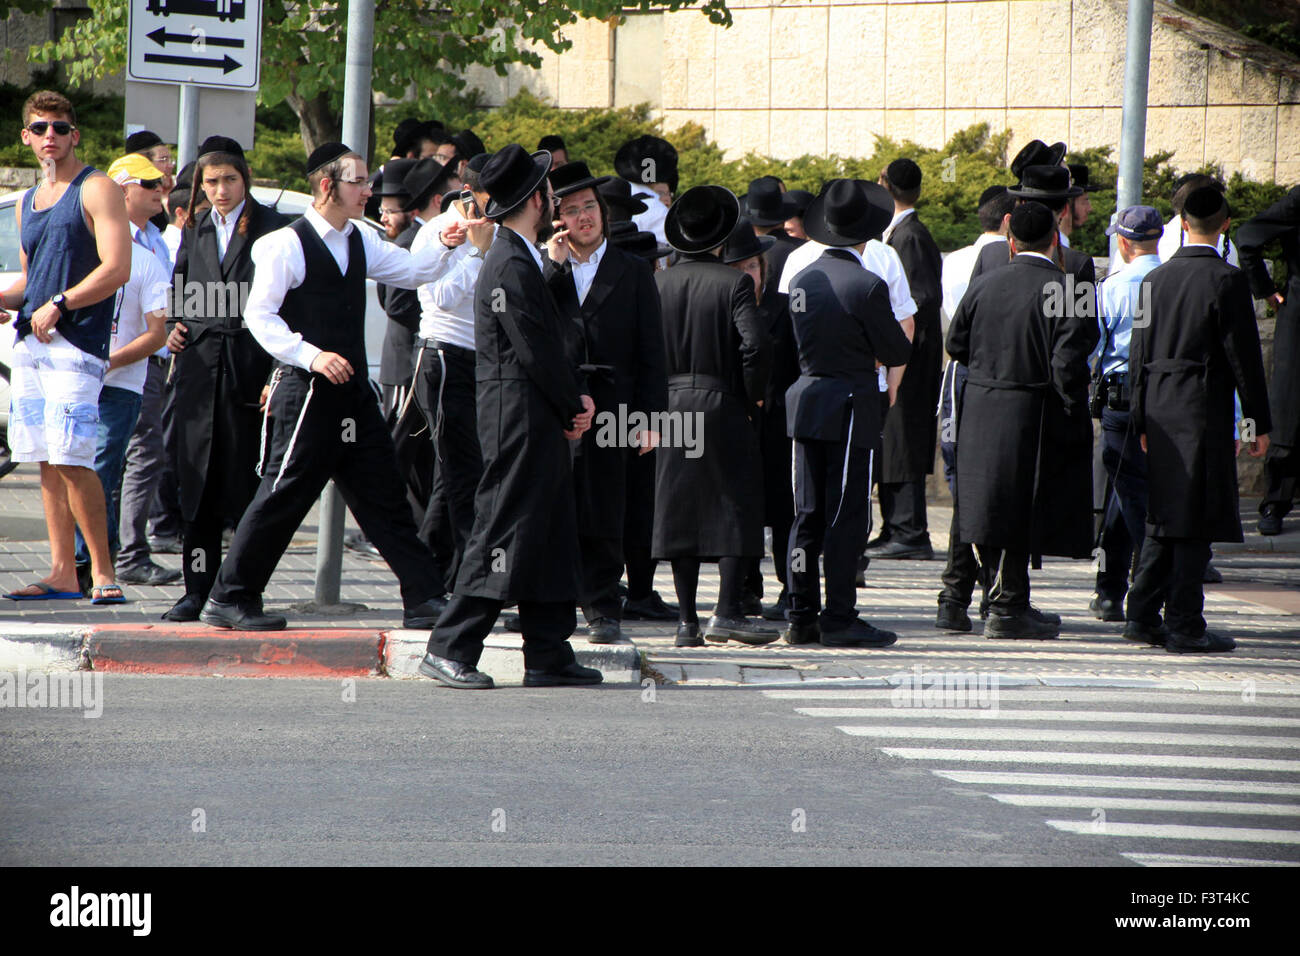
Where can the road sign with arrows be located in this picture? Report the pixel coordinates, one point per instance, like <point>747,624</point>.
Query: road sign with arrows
<point>201,42</point>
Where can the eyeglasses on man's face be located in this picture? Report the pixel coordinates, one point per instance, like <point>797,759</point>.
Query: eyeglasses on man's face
<point>587,208</point>
<point>61,127</point>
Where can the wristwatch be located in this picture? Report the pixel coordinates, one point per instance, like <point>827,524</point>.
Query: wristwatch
<point>60,303</point>
<point>474,250</point>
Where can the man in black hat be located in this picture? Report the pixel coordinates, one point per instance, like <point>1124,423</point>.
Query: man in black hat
<point>621,205</point>
<point>532,402</point>
<point>468,145</point>
<point>1175,235</point>
<point>1279,222</point>
<point>708,492</point>
<point>307,310</point>
<point>1200,344</point>
<point>1081,205</point>
<point>554,145</point>
<point>801,199</point>
<point>845,326</point>
<point>400,305</point>
<point>611,298</point>
<point>650,165</point>
<point>1023,435</point>
<point>907,452</point>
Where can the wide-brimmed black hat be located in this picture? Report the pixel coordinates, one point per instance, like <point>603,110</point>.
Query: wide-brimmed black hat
<point>1079,173</point>
<point>392,176</point>
<point>448,198</point>
<point>574,177</point>
<point>743,244</point>
<point>701,219</point>
<point>847,212</point>
<point>510,177</point>
<point>765,204</point>
<point>423,180</point>
<point>801,199</point>
<point>1045,184</point>
<point>647,156</point>
<point>626,236</point>
<point>1037,153</point>
<point>621,203</point>
<point>468,145</point>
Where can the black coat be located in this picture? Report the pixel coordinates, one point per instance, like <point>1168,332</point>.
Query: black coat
<point>909,434</point>
<point>397,361</point>
<point>847,324</point>
<point>618,325</point>
<point>709,499</point>
<point>219,375</point>
<point>998,253</point>
<point>1280,221</point>
<point>1201,343</point>
<point>524,546</point>
<point>774,443</point>
<point>1024,438</point>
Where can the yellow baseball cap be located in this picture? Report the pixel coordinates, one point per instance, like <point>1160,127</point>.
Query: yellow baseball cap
<point>133,168</point>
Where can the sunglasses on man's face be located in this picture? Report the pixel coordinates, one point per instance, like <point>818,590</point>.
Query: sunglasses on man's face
<point>61,127</point>
<point>151,183</point>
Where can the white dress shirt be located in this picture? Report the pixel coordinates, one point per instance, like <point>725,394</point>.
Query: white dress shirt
<point>652,220</point>
<point>225,226</point>
<point>447,299</point>
<point>584,273</point>
<point>893,223</point>
<point>279,265</point>
<point>1173,240</point>
<point>172,236</point>
<point>957,266</point>
<point>146,291</point>
<point>1063,239</point>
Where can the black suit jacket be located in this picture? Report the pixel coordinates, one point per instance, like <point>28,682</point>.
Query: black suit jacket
<point>396,363</point>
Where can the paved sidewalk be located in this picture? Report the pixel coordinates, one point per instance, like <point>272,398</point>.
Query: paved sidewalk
<point>1258,603</point>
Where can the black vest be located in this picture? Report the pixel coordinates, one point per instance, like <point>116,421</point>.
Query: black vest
<point>329,308</point>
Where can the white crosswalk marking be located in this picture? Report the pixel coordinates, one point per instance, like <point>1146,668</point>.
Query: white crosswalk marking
<point>1062,801</point>
<point>1074,736</point>
<point>1087,781</point>
<point>1082,716</point>
<point>1162,831</point>
<point>1182,859</point>
<point>1189,762</point>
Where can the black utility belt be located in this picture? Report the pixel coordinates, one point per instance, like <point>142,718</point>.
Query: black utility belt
<point>1111,392</point>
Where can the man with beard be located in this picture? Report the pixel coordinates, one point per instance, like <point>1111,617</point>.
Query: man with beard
<point>611,297</point>
<point>531,403</point>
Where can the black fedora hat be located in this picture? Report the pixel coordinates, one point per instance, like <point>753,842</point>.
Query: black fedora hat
<point>742,244</point>
<point>765,204</point>
<point>618,197</point>
<point>626,236</point>
<point>630,161</point>
<point>574,177</point>
<point>510,177</point>
<point>701,219</point>
<point>392,176</point>
<point>422,181</point>
<point>1045,184</point>
<point>1037,153</point>
<point>1079,173</point>
<point>800,199</point>
<point>847,212</point>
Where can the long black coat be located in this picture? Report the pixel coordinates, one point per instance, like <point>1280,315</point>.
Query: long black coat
<point>397,361</point>
<point>1200,344</point>
<point>1024,438</point>
<point>524,546</point>
<point>774,443</point>
<point>219,376</point>
<point>719,358</point>
<point>618,325</point>
<point>909,434</point>
<point>1280,221</point>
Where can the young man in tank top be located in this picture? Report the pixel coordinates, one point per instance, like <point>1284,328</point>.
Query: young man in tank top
<point>75,254</point>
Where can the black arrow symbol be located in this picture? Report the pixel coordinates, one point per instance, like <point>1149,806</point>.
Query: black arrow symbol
<point>227,63</point>
<point>162,38</point>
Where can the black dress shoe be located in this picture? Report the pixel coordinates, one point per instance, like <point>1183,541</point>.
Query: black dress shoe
<point>1211,575</point>
<point>777,611</point>
<point>1207,643</point>
<point>809,633</point>
<point>570,675</point>
<point>1106,609</point>
<point>1043,617</point>
<point>604,630</point>
<point>1154,634</point>
<point>896,550</point>
<point>651,608</point>
<point>858,634</point>
<point>424,616</point>
<point>246,617</point>
<point>185,610</point>
<point>1270,520</point>
<point>723,629</point>
<point>454,673</point>
<point>877,542</point>
<point>1019,627</point>
<point>167,544</point>
<point>751,605</point>
<point>688,635</point>
<point>149,573</point>
<point>952,617</point>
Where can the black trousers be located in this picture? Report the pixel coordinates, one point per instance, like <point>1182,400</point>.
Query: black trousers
<point>321,432</point>
<point>1282,474</point>
<point>445,390</point>
<point>1170,574</point>
<point>165,519</point>
<point>902,512</point>
<point>546,627</point>
<point>1125,512</point>
<point>963,570</point>
<point>832,518</point>
<point>602,566</point>
<point>638,526</point>
<point>1006,576</point>
<point>201,542</point>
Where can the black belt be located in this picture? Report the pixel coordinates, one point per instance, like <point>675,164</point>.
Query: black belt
<point>1002,383</point>
<point>693,380</point>
<point>457,350</point>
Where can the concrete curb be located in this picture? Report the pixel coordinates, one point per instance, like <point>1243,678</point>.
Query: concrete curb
<point>42,647</point>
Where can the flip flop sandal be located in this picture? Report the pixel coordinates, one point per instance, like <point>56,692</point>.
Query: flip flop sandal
<point>97,595</point>
<point>47,593</point>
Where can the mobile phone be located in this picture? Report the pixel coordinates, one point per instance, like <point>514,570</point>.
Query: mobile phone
<point>471,206</point>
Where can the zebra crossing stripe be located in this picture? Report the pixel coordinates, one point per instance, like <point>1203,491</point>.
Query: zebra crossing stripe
<point>1082,716</point>
<point>1161,831</point>
<point>1074,736</point>
<point>1067,802</point>
<point>1182,859</point>
<point>1086,781</point>
<point>1202,697</point>
<point>1101,760</point>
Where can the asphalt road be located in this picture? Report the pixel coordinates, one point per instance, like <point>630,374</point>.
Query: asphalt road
<point>289,772</point>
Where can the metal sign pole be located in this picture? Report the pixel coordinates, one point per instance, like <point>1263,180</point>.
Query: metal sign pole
<point>1133,129</point>
<point>187,129</point>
